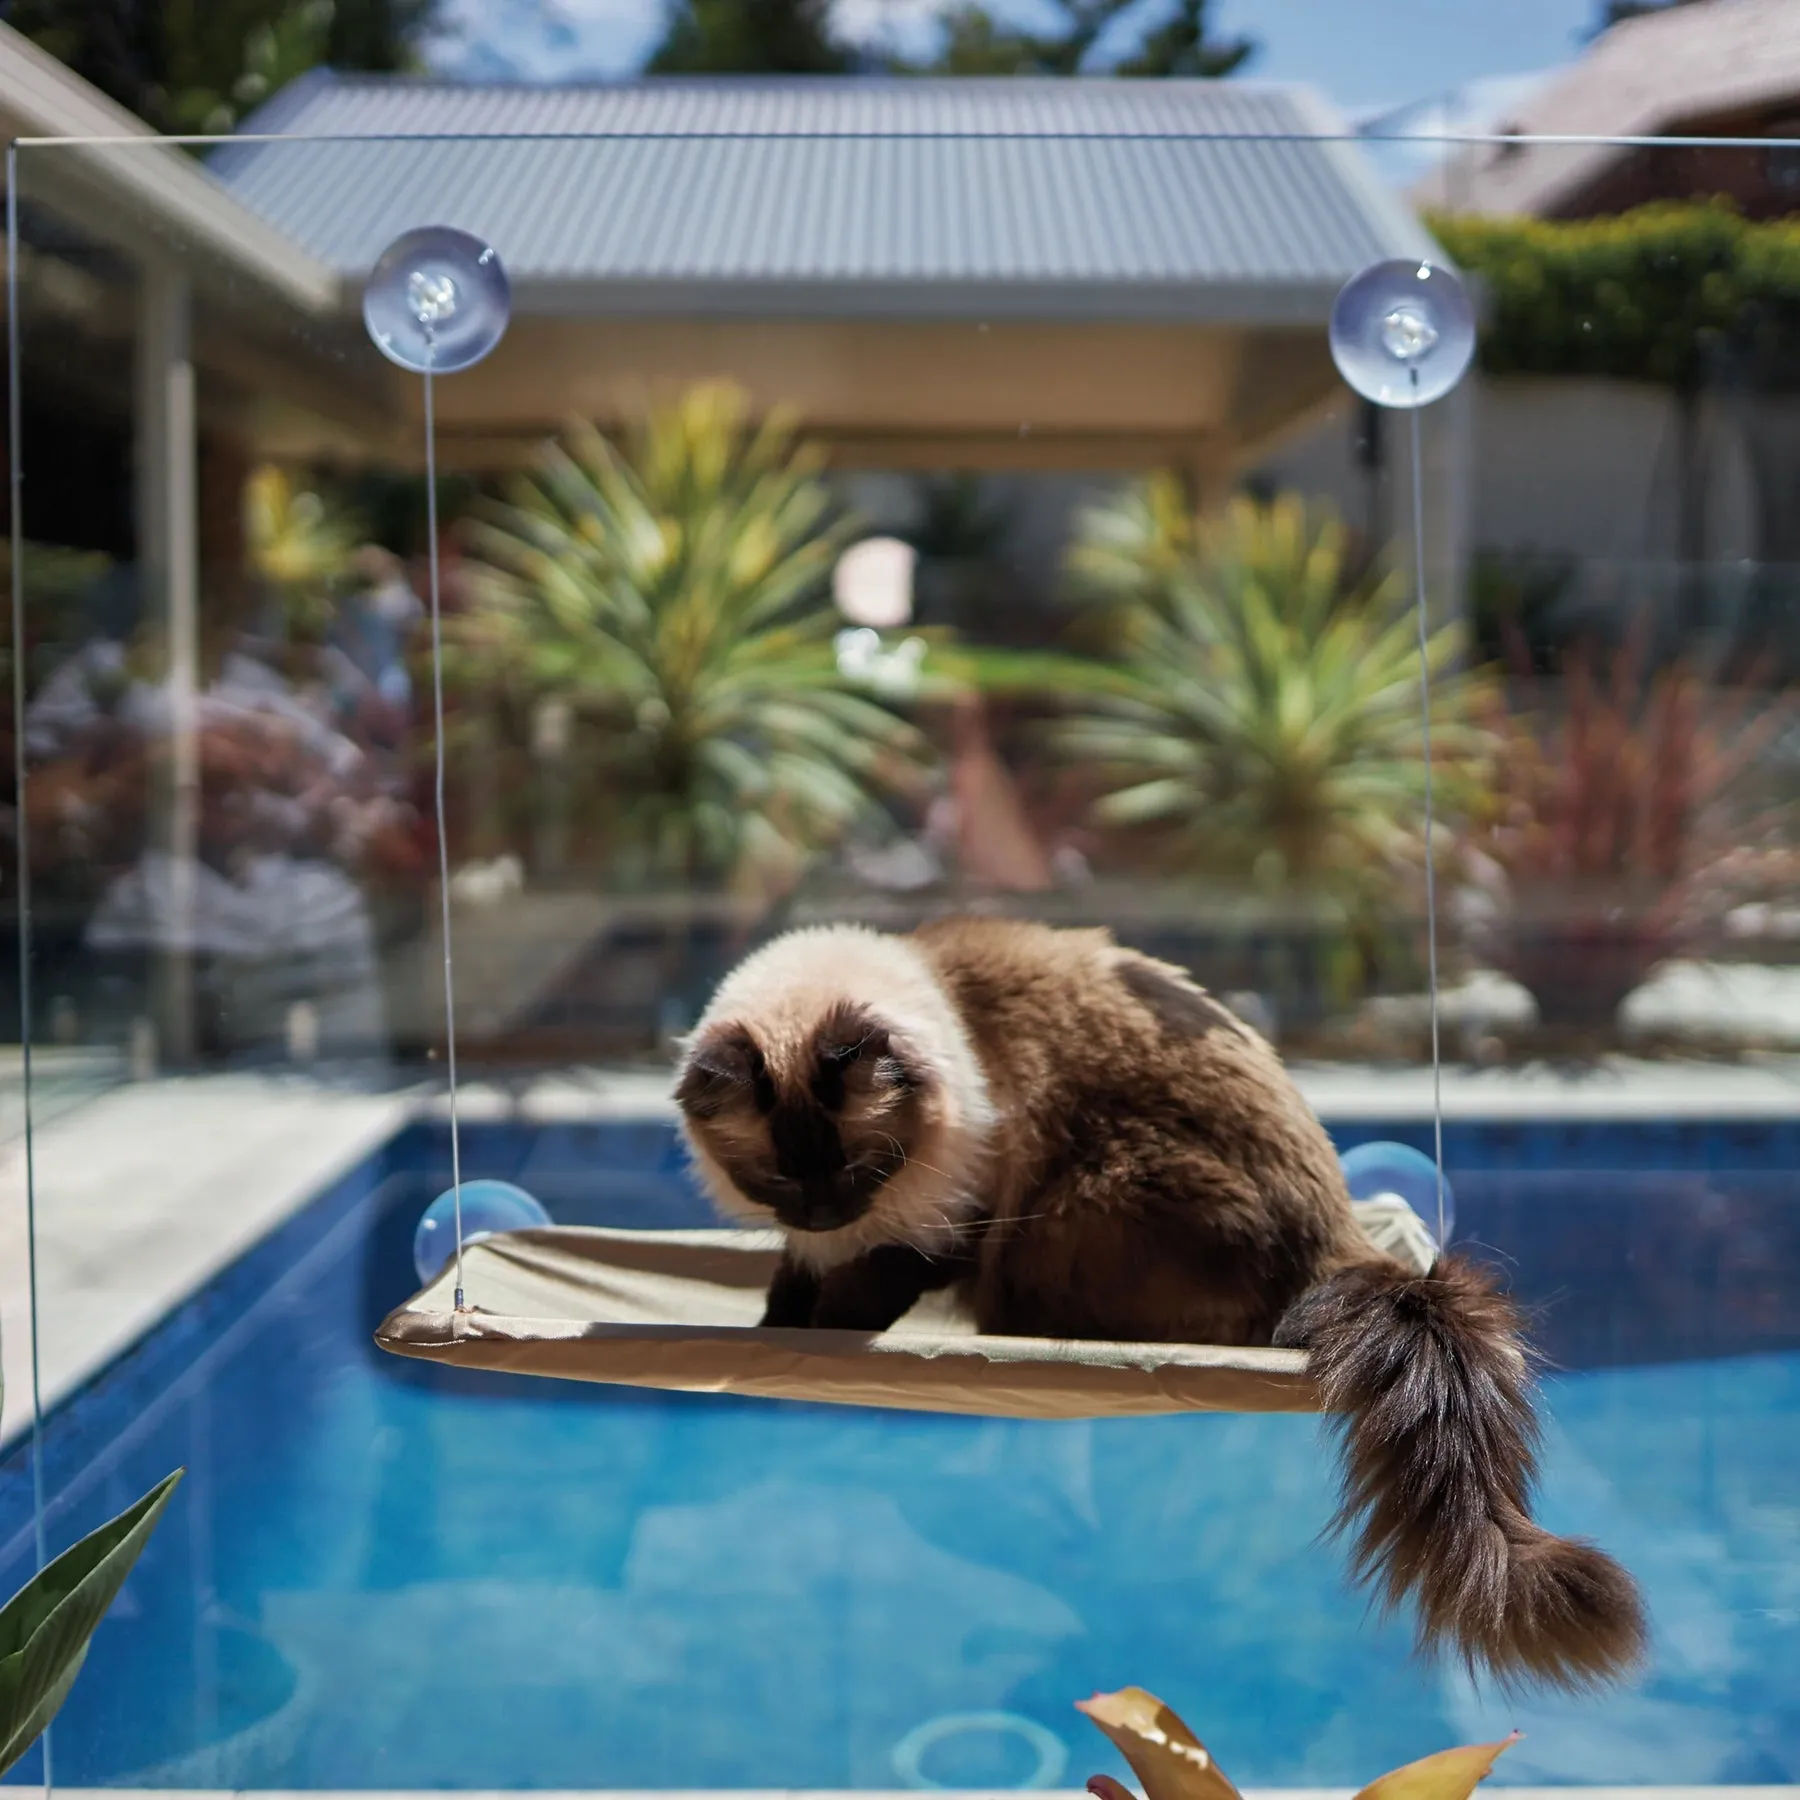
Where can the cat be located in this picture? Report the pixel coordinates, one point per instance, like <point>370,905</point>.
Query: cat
<point>1085,1144</point>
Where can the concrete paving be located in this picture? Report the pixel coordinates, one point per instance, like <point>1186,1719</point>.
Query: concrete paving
<point>145,1193</point>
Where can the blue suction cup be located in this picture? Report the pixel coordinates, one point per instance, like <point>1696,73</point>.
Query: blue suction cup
<point>1403,333</point>
<point>437,301</point>
<point>487,1207</point>
<point>1372,1169</point>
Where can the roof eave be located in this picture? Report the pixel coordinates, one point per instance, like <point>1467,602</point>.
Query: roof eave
<point>137,189</point>
<point>1238,304</point>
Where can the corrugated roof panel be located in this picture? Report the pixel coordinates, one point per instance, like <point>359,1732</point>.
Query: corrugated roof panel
<point>780,107</point>
<point>830,184</point>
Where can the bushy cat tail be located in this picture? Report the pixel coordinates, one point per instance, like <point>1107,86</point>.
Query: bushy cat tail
<point>1430,1384</point>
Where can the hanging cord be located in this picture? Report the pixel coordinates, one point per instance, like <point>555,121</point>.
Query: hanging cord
<point>15,487</point>
<point>1431,949</point>
<point>437,700</point>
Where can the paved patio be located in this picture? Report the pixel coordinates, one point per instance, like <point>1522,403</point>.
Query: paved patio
<point>146,1192</point>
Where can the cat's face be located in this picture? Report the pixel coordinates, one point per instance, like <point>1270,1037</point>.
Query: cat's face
<point>810,1128</point>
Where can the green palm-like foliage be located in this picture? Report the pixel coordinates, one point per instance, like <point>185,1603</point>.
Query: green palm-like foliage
<point>302,545</point>
<point>674,594</point>
<point>1267,718</point>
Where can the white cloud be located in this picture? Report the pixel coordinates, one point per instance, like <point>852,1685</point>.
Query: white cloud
<point>544,40</point>
<point>907,27</point>
<point>568,40</point>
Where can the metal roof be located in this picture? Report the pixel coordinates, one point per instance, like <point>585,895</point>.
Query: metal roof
<point>1014,197</point>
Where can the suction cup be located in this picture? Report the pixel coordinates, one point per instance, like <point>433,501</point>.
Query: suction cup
<point>487,1207</point>
<point>1403,333</point>
<point>1382,1168</point>
<point>437,301</point>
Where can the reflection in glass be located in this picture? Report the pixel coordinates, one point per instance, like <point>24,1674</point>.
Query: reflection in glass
<point>1154,671</point>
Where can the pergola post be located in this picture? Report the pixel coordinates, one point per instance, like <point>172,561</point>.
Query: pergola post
<point>167,483</point>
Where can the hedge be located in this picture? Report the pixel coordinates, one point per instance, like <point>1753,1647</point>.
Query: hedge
<point>1671,292</point>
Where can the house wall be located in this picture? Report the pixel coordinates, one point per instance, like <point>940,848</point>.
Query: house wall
<point>1583,478</point>
<point>1562,466</point>
<point>1592,468</point>
<point>891,395</point>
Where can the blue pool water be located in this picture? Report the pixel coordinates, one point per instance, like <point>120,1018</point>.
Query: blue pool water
<point>381,1574</point>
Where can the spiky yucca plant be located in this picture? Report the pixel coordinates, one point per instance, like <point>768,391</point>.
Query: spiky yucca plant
<point>301,544</point>
<point>673,592</point>
<point>1267,720</point>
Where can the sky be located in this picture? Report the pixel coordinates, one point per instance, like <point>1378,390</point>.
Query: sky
<point>1366,55</point>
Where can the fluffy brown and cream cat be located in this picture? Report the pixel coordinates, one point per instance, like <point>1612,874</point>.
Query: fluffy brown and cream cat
<point>1089,1146</point>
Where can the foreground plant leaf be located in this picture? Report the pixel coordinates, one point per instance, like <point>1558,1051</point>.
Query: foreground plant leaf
<point>1173,1764</point>
<point>1450,1775</point>
<point>1167,1758</point>
<point>1103,1787</point>
<point>45,1627</point>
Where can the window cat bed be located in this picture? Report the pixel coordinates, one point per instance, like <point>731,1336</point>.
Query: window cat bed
<point>679,1310</point>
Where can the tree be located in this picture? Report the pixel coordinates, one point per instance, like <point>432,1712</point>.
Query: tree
<point>1618,12</point>
<point>1180,46</point>
<point>200,65</point>
<point>976,43</point>
<point>749,37</point>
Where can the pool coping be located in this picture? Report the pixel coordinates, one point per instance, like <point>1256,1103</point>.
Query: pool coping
<point>1623,1089</point>
<point>213,1168</point>
<point>215,1163</point>
<point>1771,1792</point>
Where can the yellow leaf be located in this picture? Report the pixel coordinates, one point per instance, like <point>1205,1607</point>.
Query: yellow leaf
<point>1168,1759</point>
<point>1450,1775</point>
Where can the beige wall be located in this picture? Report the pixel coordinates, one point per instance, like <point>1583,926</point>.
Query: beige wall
<point>896,395</point>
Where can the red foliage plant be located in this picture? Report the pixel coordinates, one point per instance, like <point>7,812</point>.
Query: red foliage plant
<point>1619,824</point>
<point>1635,789</point>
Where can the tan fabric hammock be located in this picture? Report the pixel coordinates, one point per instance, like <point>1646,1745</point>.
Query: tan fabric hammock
<point>679,1309</point>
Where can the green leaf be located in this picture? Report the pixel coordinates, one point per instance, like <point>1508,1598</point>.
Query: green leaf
<point>1635,294</point>
<point>26,1732</point>
<point>46,1626</point>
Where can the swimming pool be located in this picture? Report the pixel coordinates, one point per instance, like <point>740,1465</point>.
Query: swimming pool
<point>386,1574</point>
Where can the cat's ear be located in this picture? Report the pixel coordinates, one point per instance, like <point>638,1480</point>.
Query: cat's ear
<point>723,1067</point>
<point>855,1054</point>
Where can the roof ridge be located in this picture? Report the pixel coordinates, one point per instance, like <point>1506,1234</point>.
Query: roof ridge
<point>278,111</point>
<point>410,82</point>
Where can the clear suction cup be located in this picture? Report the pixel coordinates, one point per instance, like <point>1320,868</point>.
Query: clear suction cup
<point>1403,333</point>
<point>487,1207</point>
<point>437,301</point>
<point>1371,1170</point>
